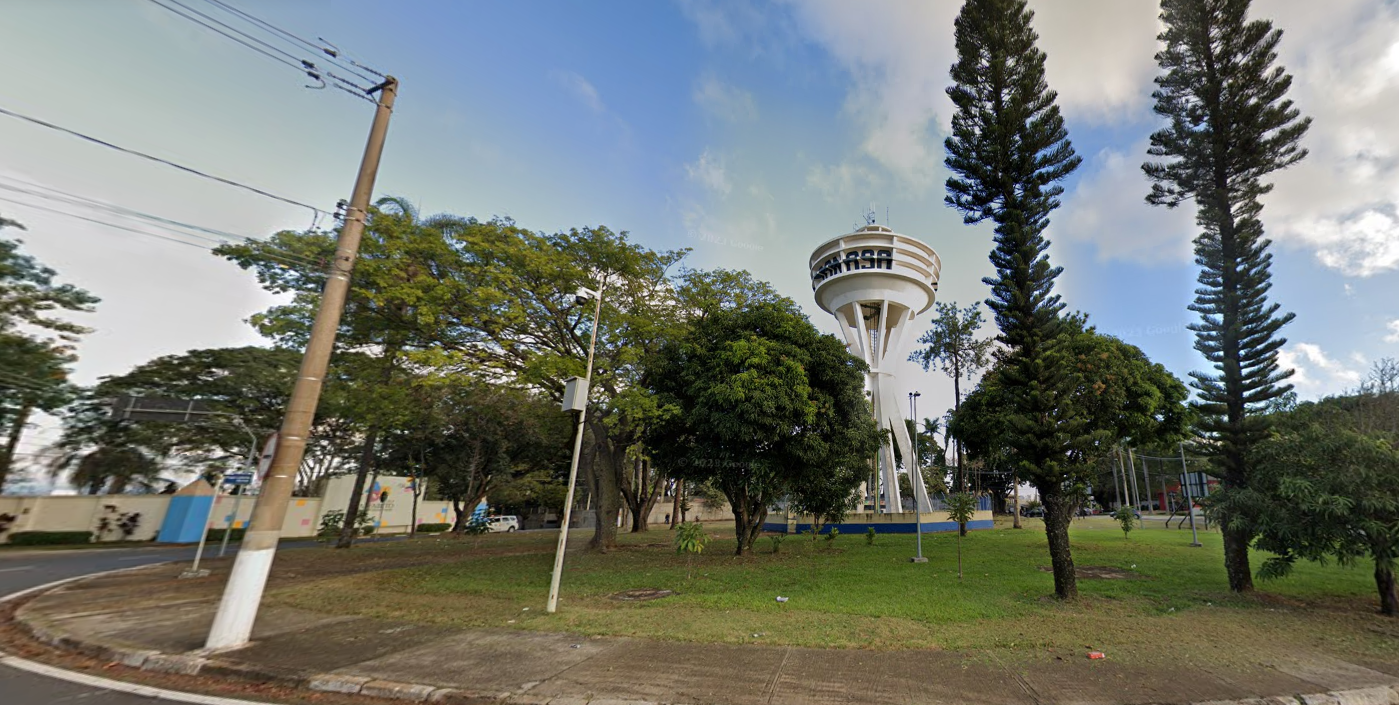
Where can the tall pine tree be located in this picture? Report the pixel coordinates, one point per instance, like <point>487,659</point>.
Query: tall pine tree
<point>1007,151</point>
<point>1230,125</point>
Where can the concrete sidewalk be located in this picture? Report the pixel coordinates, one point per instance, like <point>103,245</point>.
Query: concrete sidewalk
<point>148,619</point>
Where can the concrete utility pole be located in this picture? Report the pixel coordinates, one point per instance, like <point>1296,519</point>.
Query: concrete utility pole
<point>242,595</point>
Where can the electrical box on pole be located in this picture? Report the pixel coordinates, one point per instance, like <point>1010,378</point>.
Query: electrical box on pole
<point>575,394</point>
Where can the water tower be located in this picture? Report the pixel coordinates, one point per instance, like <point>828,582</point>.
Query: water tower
<point>876,282</point>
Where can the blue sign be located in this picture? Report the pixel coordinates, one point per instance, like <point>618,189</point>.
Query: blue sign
<point>238,478</point>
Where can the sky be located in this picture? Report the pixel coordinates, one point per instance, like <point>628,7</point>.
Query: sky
<point>747,132</point>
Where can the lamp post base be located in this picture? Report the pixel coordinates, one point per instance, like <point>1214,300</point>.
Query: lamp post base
<point>918,559</point>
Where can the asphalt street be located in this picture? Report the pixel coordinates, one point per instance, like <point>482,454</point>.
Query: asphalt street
<point>19,571</point>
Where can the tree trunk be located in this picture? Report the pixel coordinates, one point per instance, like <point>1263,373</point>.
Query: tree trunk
<point>748,523</point>
<point>459,521</point>
<point>1236,557</point>
<point>604,467</point>
<point>1014,478</point>
<point>1384,581</point>
<point>16,431</point>
<point>675,504</point>
<point>1058,511</point>
<point>349,528</point>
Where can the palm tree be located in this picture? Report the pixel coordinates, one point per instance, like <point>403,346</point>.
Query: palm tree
<point>115,468</point>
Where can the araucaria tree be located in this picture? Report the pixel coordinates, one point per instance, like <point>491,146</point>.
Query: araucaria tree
<point>1230,125</point>
<point>1007,151</point>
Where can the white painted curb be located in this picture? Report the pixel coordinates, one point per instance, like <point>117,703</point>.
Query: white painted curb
<point>106,683</point>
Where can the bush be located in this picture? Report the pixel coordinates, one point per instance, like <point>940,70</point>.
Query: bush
<point>50,538</point>
<point>777,542</point>
<point>332,520</point>
<point>433,528</point>
<point>869,536</point>
<point>1126,518</point>
<point>832,535</point>
<point>217,534</point>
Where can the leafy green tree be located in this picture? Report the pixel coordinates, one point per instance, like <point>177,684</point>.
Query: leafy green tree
<point>33,368</point>
<point>765,407</point>
<point>1321,489</point>
<point>1114,391</point>
<point>247,386</point>
<point>1126,518</point>
<point>1230,126</point>
<point>33,377</point>
<point>951,344</point>
<point>29,296</point>
<point>392,309</point>
<point>1007,151</point>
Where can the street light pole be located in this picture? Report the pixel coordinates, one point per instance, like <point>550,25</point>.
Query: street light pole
<point>917,504</point>
<point>553,604</point>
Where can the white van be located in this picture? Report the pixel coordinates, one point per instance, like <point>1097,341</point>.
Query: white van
<point>503,523</point>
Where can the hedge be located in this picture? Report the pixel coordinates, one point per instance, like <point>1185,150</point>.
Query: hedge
<point>433,528</point>
<point>49,538</point>
<point>233,534</point>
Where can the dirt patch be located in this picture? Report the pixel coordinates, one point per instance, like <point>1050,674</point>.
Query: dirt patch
<point>1100,572</point>
<point>640,595</point>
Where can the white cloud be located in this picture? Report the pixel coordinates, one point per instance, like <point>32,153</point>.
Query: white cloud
<point>581,89</point>
<point>708,170</point>
<point>842,182</point>
<point>749,233</point>
<point>1393,327</point>
<point>724,101</point>
<point>1108,208</point>
<point>1100,57</point>
<point>1315,372</point>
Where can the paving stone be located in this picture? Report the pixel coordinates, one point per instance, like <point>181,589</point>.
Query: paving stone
<point>397,691</point>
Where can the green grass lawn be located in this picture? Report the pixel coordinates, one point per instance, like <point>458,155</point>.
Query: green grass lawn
<point>1174,603</point>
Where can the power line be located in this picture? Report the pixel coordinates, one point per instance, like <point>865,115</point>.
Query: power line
<point>293,264</point>
<point>329,50</point>
<point>292,63</point>
<point>158,160</point>
<point>219,236</point>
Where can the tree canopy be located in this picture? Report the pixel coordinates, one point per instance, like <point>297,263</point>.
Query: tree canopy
<point>762,405</point>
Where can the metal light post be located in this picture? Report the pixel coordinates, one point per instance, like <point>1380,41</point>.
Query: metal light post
<point>1189,501</point>
<point>917,505</point>
<point>579,402</point>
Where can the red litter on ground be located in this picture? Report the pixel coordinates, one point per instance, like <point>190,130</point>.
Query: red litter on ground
<point>1096,654</point>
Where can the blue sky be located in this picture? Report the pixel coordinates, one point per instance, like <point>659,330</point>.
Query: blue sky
<point>749,132</point>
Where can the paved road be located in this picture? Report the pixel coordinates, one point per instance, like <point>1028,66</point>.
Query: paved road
<point>18,572</point>
<point>24,570</point>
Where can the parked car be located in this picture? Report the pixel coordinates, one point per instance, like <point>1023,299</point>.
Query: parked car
<point>503,523</point>
<point>1032,511</point>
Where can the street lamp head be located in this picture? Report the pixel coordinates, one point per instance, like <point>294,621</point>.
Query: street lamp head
<point>583,295</point>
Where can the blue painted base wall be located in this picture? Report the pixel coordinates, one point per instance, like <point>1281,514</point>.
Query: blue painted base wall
<point>860,528</point>
<point>184,520</point>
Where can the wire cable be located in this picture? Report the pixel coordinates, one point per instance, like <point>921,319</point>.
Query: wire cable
<point>325,48</point>
<point>220,237</point>
<point>270,254</point>
<point>216,30</point>
<point>158,160</point>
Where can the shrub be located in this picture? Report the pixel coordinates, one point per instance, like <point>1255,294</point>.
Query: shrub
<point>50,538</point>
<point>690,540</point>
<point>331,521</point>
<point>832,535</point>
<point>233,534</point>
<point>6,520</point>
<point>869,536</point>
<point>477,526</point>
<point>1126,518</point>
<point>777,542</point>
<point>433,528</point>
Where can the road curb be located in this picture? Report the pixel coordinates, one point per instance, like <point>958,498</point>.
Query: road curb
<point>198,663</point>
